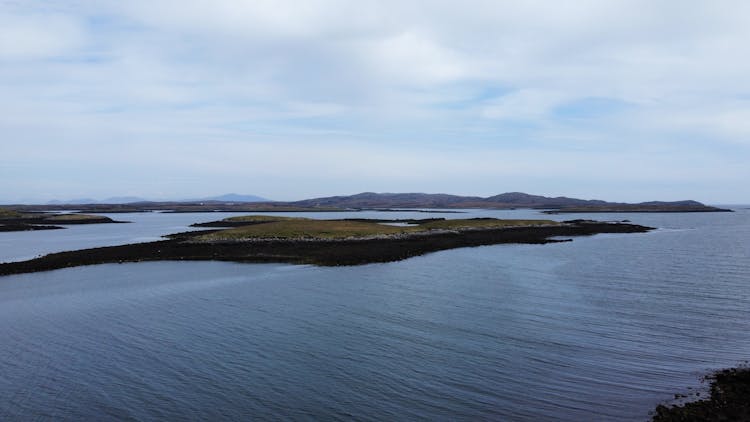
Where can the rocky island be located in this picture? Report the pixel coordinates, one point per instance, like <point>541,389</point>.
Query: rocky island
<point>11,220</point>
<point>260,238</point>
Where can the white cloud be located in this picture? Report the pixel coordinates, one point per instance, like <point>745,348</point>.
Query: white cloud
<point>728,120</point>
<point>38,37</point>
<point>527,104</point>
<point>480,75</point>
<point>414,59</point>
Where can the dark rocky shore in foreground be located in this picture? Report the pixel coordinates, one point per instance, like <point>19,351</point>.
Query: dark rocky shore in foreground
<point>729,401</point>
<point>315,251</point>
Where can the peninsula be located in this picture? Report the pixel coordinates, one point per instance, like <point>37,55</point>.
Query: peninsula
<point>260,238</point>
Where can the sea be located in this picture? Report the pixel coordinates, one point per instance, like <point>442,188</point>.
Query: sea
<point>602,328</point>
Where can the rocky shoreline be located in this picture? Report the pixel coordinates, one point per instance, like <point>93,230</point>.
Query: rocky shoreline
<point>312,251</point>
<point>20,227</point>
<point>729,400</point>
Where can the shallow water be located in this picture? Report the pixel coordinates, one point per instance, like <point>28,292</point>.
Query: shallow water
<point>601,328</point>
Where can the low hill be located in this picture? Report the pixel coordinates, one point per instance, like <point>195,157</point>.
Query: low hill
<point>234,197</point>
<point>388,200</point>
<point>502,201</point>
<point>372,200</point>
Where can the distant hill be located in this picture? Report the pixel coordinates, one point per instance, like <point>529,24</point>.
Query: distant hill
<point>503,201</point>
<point>388,200</point>
<point>123,200</point>
<point>427,200</point>
<point>111,200</point>
<point>519,198</point>
<point>72,201</point>
<point>371,200</point>
<point>234,197</point>
<point>229,197</point>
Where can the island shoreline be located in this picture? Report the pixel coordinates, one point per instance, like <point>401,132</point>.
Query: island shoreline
<point>322,252</point>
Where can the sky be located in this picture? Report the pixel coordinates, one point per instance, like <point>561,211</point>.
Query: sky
<point>616,100</point>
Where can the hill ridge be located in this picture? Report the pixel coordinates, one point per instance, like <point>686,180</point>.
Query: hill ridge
<point>503,200</point>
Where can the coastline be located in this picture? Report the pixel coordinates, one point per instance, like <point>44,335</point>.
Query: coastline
<point>729,400</point>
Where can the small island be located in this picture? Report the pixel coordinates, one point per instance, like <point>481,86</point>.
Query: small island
<point>11,220</point>
<point>261,238</point>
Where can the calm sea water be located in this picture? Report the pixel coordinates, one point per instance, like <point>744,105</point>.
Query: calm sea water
<point>601,328</point>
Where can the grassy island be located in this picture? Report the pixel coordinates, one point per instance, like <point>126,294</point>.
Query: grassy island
<point>324,242</point>
<point>255,227</point>
<point>77,219</point>
<point>304,229</point>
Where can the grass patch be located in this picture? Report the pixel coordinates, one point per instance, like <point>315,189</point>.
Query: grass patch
<point>6,213</point>
<point>73,217</point>
<point>260,219</point>
<point>303,228</point>
<point>484,223</point>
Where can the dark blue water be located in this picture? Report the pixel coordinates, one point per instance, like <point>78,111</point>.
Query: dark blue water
<point>602,328</point>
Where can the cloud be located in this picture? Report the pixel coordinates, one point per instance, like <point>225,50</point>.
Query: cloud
<point>412,58</point>
<point>475,85</point>
<point>527,104</point>
<point>38,37</point>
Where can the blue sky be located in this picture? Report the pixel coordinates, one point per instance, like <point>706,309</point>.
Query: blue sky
<point>616,100</point>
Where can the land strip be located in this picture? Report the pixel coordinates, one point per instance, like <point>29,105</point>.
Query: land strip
<point>401,202</point>
<point>16,221</point>
<point>323,245</point>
